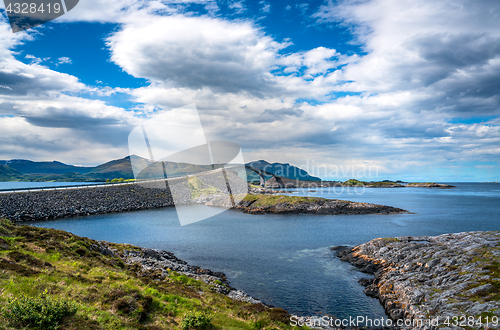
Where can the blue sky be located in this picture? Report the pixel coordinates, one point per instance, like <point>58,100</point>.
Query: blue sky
<point>409,88</point>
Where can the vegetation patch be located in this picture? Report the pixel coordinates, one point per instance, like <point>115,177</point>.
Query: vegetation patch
<point>198,188</point>
<point>196,321</point>
<point>354,182</point>
<point>272,200</point>
<point>40,312</point>
<point>490,264</point>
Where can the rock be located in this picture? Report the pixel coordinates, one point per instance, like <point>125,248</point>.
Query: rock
<point>420,276</point>
<point>479,289</point>
<point>338,248</point>
<point>479,308</point>
<point>371,291</point>
<point>296,205</point>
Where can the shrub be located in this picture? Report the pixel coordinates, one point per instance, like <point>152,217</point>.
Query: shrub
<point>40,312</point>
<point>196,321</point>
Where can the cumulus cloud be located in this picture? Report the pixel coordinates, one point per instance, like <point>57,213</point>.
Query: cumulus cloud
<point>197,52</point>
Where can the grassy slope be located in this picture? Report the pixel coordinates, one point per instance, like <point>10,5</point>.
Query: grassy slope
<point>269,200</point>
<point>7,173</point>
<point>108,293</point>
<point>198,188</point>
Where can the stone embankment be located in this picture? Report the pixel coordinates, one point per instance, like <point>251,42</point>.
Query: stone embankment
<point>55,204</point>
<point>455,277</point>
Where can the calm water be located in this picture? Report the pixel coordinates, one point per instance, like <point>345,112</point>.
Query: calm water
<point>19,185</point>
<point>285,259</point>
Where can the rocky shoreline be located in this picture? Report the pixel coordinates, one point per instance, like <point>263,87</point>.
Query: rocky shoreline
<point>451,276</point>
<point>157,264</point>
<point>280,204</point>
<point>57,204</point>
<point>289,183</point>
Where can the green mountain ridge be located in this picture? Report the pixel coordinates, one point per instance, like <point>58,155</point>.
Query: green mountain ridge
<point>281,169</point>
<point>27,170</point>
<point>7,173</point>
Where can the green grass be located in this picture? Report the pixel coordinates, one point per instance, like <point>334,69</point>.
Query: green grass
<point>390,240</point>
<point>198,188</point>
<point>40,312</point>
<point>83,289</point>
<point>354,182</point>
<point>382,183</point>
<point>271,200</point>
<point>489,262</point>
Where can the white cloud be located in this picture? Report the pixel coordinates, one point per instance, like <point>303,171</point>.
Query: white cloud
<point>237,6</point>
<point>197,52</point>
<point>64,60</point>
<point>266,7</point>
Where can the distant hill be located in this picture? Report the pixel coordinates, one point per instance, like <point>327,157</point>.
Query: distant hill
<point>9,174</point>
<point>118,168</point>
<point>30,167</point>
<point>281,169</point>
<point>27,170</point>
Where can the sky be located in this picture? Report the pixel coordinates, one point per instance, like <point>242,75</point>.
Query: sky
<point>371,89</point>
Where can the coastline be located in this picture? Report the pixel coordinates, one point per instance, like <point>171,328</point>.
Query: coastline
<point>57,204</point>
<point>122,286</point>
<point>418,278</point>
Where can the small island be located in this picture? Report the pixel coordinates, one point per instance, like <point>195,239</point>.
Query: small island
<point>282,204</point>
<point>289,183</point>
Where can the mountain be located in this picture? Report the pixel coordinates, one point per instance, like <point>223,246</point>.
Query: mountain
<point>118,168</point>
<point>9,174</point>
<point>27,170</point>
<point>281,169</point>
<point>30,167</point>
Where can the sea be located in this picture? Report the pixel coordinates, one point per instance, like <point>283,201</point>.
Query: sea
<point>285,260</point>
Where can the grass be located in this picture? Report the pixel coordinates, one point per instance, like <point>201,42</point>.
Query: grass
<point>354,182</point>
<point>489,262</point>
<point>387,240</point>
<point>382,183</point>
<point>271,200</point>
<point>84,289</point>
<point>198,188</point>
<point>40,312</point>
